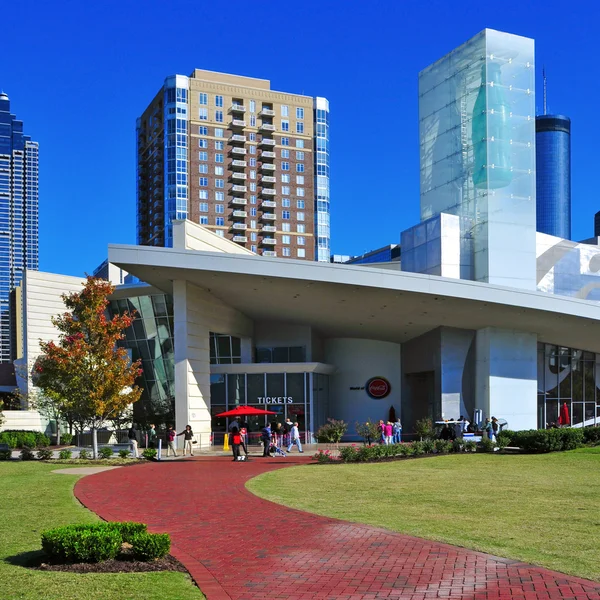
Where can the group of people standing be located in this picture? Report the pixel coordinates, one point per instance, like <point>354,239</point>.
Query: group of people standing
<point>187,433</point>
<point>275,435</point>
<point>391,433</point>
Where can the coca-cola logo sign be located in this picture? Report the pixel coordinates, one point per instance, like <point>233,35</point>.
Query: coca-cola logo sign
<point>378,387</point>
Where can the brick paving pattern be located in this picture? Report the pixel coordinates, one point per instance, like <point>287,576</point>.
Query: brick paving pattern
<point>237,546</point>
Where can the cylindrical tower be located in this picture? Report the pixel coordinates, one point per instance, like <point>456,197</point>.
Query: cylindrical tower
<point>553,174</point>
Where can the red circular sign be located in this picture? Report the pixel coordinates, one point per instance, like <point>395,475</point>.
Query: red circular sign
<point>378,387</point>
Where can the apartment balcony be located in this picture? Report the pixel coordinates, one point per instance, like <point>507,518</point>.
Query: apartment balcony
<point>239,226</point>
<point>238,164</point>
<point>267,127</point>
<point>269,204</point>
<point>268,216</point>
<point>238,151</point>
<point>269,253</point>
<point>240,214</point>
<point>267,142</point>
<point>241,189</point>
<point>238,176</point>
<point>268,166</point>
<point>238,123</point>
<point>268,179</point>
<point>268,192</point>
<point>239,201</point>
<point>269,241</point>
<point>240,238</point>
<point>269,228</point>
<point>236,137</point>
<point>267,154</point>
<point>266,112</point>
<point>237,108</point>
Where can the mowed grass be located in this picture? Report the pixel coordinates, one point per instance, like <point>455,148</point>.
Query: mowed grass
<point>542,509</point>
<point>34,499</point>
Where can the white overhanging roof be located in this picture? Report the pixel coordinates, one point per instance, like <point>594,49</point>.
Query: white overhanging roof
<point>363,302</point>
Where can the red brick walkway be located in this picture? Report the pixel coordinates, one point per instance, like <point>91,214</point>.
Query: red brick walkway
<point>237,546</point>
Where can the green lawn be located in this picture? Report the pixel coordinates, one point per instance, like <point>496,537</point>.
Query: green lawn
<point>542,509</point>
<point>34,499</point>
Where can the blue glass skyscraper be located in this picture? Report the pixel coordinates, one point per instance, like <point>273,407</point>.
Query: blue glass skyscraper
<point>553,174</point>
<point>18,213</point>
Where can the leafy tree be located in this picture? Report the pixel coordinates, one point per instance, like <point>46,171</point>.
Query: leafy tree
<point>368,431</point>
<point>424,429</point>
<point>85,370</point>
<point>332,432</point>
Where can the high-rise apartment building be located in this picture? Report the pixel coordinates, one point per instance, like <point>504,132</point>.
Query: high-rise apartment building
<point>18,214</point>
<point>247,162</point>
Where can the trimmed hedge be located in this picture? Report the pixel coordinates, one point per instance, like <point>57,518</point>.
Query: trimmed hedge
<point>20,438</point>
<point>96,542</point>
<point>150,546</point>
<point>105,452</point>
<point>546,440</point>
<point>591,435</point>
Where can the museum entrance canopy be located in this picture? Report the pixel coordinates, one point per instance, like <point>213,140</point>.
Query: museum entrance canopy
<point>363,302</point>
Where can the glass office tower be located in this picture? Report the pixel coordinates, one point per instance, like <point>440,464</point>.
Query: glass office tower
<point>553,170</point>
<point>18,213</point>
<point>477,151</point>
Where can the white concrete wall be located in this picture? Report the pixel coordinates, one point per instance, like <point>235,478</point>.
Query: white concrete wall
<point>191,236</point>
<point>30,420</point>
<point>272,333</point>
<point>41,301</point>
<point>455,382</point>
<point>357,361</point>
<point>197,313</point>
<point>506,376</point>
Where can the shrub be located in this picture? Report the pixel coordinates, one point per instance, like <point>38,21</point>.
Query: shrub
<point>85,454</point>
<point>20,438</point>
<point>591,435</point>
<point>332,432</point>
<point>424,429</point>
<point>348,454</point>
<point>149,453</point>
<point>417,449</point>
<point>323,457</point>
<point>428,445</point>
<point>66,438</point>
<point>548,440</point>
<point>65,454</point>
<point>443,446</point>
<point>470,446</point>
<point>127,529</point>
<point>503,439</point>
<point>44,454</point>
<point>403,449</point>
<point>458,445</point>
<point>124,453</point>
<point>486,445</point>
<point>150,546</point>
<point>368,431</point>
<point>5,454</point>
<point>571,438</point>
<point>27,454</point>
<point>105,452</point>
<point>82,543</point>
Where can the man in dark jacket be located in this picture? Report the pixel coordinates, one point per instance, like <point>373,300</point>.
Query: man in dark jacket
<point>266,440</point>
<point>132,435</point>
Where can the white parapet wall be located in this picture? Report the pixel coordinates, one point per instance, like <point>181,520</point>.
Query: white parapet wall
<point>191,236</point>
<point>30,420</point>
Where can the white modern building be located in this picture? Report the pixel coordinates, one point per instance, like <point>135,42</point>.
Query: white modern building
<point>484,314</point>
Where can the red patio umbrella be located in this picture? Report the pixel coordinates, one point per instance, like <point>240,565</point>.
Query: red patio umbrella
<point>564,417</point>
<point>245,411</point>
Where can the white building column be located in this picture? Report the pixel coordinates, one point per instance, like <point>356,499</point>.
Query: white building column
<point>506,376</point>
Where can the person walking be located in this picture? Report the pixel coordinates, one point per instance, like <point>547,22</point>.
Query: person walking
<point>152,437</point>
<point>188,436</point>
<point>265,436</point>
<point>397,427</point>
<point>495,427</point>
<point>236,440</point>
<point>132,436</point>
<point>488,430</point>
<point>287,430</point>
<point>381,429</point>
<point>243,442</point>
<point>171,433</point>
<point>295,438</point>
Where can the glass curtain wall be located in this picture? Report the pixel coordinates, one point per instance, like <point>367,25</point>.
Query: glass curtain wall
<point>571,377</point>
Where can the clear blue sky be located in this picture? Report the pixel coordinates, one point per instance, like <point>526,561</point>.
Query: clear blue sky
<point>79,73</point>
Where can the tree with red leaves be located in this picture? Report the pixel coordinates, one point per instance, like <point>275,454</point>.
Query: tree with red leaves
<point>84,369</point>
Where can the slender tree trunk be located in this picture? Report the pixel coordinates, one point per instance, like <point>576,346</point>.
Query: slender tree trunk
<point>94,442</point>
<point>58,432</point>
